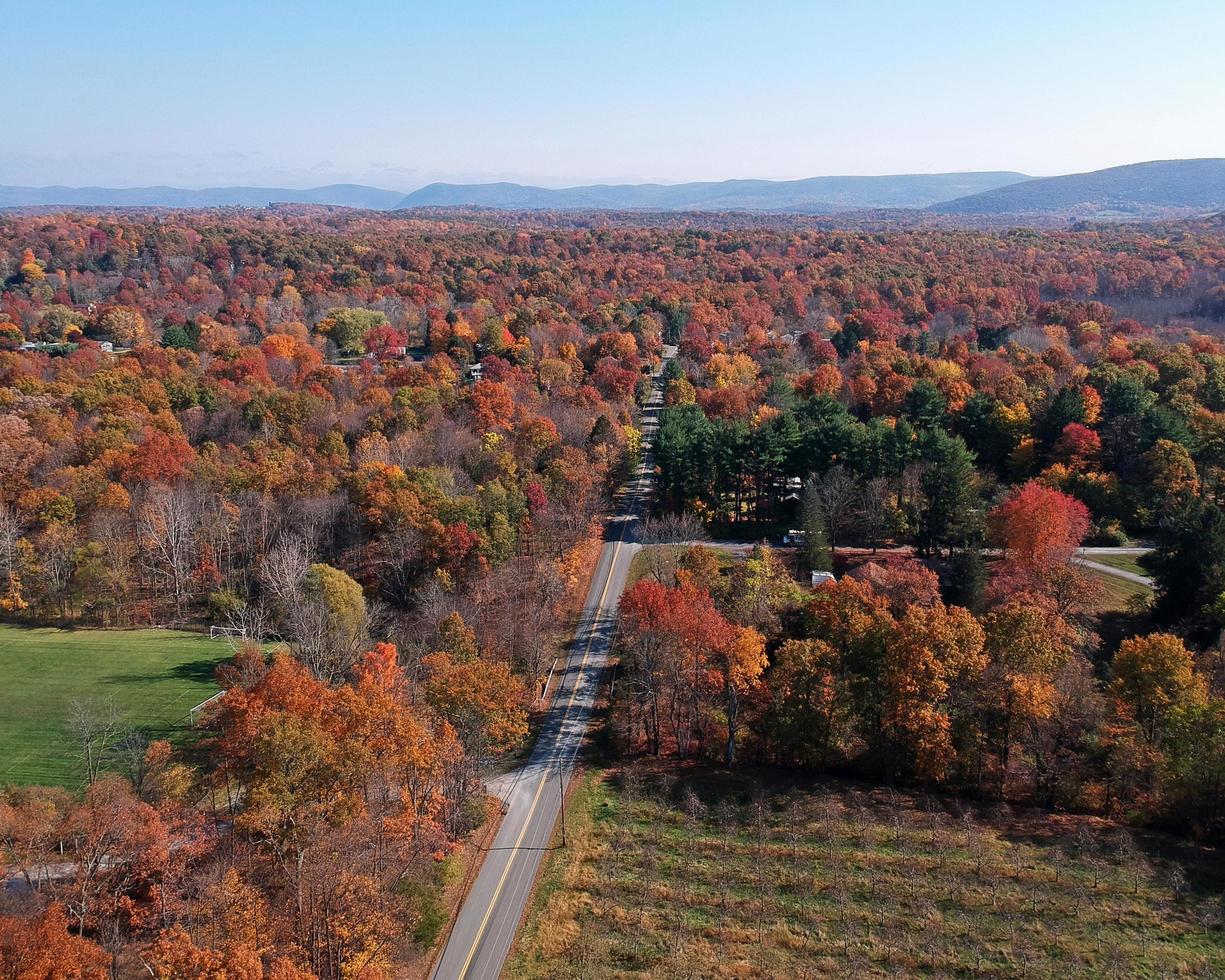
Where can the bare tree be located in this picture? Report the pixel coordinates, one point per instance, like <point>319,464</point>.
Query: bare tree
<point>314,518</point>
<point>939,839</point>
<point>131,754</point>
<point>976,842</point>
<point>830,813</point>
<point>407,449</point>
<point>760,814</point>
<point>327,646</point>
<point>113,531</point>
<point>168,520</point>
<point>10,534</point>
<point>283,570</point>
<point>1032,337</point>
<point>1019,859</point>
<point>631,782</point>
<point>1209,916</point>
<point>251,622</point>
<point>834,492</point>
<point>326,627</point>
<point>1081,894</point>
<point>396,555</point>
<point>57,547</point>
<point>657,533</point>
<point>1133,860</point>
<point>536,607</point>
<point>695,813</point>
<point>727,814</point>
<point>873,505</point>
<point>96,726</point>
<point>686,528</point>
<point>665,783</point>
<point>793,827</point>
<point>1176,879</point>
<point>218,525</point>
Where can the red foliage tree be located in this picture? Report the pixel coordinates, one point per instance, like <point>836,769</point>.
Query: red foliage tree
<point>1039,527</point>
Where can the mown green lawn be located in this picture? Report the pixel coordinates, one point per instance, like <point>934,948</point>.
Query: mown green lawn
<point>154,677</point>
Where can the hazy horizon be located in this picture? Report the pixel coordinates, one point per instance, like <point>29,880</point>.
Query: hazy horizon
<point>399,96</point>
<point>559,183</point>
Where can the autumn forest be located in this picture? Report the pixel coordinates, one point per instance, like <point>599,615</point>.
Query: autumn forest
<point>372,456</point>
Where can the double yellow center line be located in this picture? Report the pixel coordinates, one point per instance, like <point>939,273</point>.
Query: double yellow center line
<point>527,821</point>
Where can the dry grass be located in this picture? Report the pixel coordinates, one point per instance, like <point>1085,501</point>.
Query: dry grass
<point>836,880</point>
<point>659,561</point>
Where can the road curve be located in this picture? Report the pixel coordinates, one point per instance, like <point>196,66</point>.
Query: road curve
<point>1122,573</point>
<point>481,939</point>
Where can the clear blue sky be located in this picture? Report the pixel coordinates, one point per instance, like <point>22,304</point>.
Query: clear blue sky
<point>125,92</point>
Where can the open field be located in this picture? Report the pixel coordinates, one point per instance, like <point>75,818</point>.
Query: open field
<point>808,879</point>
<point>154,677</point>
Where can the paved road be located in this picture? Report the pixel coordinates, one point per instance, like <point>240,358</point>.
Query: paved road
<point>478,945</point>
<point>1121,573</point>
<point>1134,550</point>
<point>1085,557</point>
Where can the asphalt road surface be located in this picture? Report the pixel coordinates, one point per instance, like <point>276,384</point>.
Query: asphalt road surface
<point>485,930</point>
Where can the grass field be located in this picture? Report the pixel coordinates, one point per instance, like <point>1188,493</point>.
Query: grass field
<point>154,676</point>
<point>1116,594</point>
<point>806,879</point>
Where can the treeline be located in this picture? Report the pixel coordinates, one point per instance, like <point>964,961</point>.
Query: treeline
<point>947,432</point>
<point>1129,430</point>
<point>878,676</point>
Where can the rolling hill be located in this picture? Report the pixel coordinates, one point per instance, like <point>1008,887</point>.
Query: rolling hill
<point>812,195</point>
<point>343,195</point>
<point>1160,188</point>
<point>1138,189</point>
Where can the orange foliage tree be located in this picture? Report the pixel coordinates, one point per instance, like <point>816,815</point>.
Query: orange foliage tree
<point>686,661</point>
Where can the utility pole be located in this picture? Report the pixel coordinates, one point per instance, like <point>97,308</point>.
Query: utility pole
<point>561,790</point>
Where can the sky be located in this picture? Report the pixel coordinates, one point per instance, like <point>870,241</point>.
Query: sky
<point>397,94</point>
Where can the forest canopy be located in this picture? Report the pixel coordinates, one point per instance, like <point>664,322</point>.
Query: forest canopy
<point>383,446</point>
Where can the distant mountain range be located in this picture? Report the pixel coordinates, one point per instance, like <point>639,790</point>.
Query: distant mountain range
<point>1138,189</point>
<point>814,195</point>
<point>343,195</point>
<point>1157,188</point>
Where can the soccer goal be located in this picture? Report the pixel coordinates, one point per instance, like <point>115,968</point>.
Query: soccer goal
<point>223,632</point>
<point>194,713</point>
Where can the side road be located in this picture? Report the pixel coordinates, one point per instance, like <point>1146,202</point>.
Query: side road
<point>1086,557</point>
